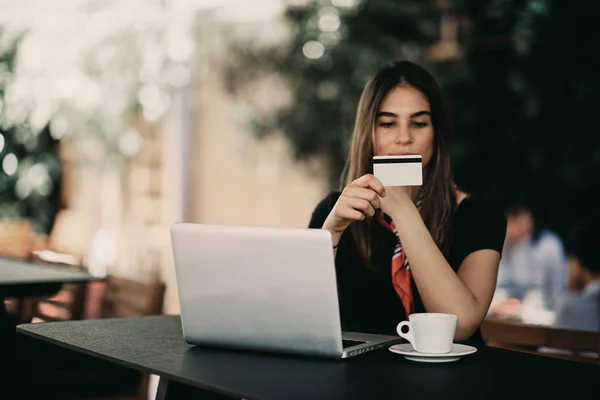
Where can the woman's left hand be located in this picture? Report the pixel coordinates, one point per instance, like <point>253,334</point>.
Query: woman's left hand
<point>395,198</point>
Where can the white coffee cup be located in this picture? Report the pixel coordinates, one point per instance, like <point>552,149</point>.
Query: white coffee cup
<point>431,333</point>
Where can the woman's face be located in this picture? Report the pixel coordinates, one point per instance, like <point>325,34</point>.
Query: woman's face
<point>403,124</point>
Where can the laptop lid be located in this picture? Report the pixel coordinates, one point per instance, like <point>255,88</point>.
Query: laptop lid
<point>258,288</point>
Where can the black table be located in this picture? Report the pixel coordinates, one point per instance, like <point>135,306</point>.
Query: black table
<point>156,345</point>
<point>20,279</point>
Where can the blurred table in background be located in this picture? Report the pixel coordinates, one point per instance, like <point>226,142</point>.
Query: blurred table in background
<point>535,308</point>
<point>581,346</point>
<point>528,325</point>
<point>22,279</point>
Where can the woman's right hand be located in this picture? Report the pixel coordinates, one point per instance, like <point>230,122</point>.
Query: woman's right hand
<point>359,200</point>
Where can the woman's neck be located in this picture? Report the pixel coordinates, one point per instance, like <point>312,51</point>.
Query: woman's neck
<point>415,193</point>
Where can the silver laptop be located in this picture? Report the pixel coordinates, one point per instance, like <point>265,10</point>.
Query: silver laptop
<point>265,289</point>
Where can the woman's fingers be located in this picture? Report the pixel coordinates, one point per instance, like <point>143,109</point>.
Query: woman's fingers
<point>365,194</point>
<point>370,181</point>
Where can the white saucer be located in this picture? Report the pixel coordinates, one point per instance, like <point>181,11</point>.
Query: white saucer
<point>457,351</point>
<point>432,360</point>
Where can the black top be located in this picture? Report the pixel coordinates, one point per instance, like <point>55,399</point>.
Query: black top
<point>156,345</point>
<point>368,300</point>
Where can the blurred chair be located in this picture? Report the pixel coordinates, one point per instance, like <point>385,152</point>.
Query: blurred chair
<point>120,297</point>
<point>128,298</point>
<point>18,239</point>
<point>66,244</point>
<point>67,305</point>
<point>580,346</point>
<point>70,238</point>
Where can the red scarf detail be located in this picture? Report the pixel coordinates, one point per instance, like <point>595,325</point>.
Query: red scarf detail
<point>401,276</point>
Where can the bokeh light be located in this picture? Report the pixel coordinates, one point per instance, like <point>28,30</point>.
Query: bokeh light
<point>10,163</point>
<point>313,49</point>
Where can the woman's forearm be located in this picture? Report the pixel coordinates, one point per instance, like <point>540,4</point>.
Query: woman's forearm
<point>440,288</point>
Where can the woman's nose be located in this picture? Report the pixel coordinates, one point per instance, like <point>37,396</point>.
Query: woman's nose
<point>403,135</point>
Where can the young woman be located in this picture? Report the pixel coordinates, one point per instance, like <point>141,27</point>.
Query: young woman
<point>403,250</point>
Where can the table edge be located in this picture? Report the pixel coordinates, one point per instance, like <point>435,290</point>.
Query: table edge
<point>82,279</point>
<point>219,390</point>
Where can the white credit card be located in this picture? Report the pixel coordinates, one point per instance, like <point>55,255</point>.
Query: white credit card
<point>406,170</point>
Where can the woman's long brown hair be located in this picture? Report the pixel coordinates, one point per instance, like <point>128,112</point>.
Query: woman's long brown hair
<point>438,194</point>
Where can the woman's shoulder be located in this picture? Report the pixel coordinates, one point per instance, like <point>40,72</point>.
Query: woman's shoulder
<point>478,219</point>
<point>323,208</point>
<point>475,208</point>
<point>478,224</point>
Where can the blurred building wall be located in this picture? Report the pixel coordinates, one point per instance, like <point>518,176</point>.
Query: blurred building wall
<point>215,171</point>
<point>236,179</point>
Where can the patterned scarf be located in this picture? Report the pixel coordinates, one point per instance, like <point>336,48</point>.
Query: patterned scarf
<point>401,275</point>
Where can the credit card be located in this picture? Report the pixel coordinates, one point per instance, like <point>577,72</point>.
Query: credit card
<point>405,170</point>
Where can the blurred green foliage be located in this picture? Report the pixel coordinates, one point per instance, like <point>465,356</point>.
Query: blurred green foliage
<point>32,191</point>
<point>523,94</point>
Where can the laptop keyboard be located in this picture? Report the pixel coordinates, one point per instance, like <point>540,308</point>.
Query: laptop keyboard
<point>350,343</point>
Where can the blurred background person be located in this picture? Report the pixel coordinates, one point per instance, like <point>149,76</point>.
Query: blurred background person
<point>516,273</point>
<point>533,265</point>
<point>580,307</point>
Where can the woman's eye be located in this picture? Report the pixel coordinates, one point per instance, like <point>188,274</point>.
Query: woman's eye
<point>420,124</point>
<point>387,124</point>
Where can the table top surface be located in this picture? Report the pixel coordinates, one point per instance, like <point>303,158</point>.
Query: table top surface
<point>156,345</point>
<point>20,272</point>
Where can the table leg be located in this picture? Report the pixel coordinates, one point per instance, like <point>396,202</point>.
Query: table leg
<point>161,391</point>
<point>171,390</point>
